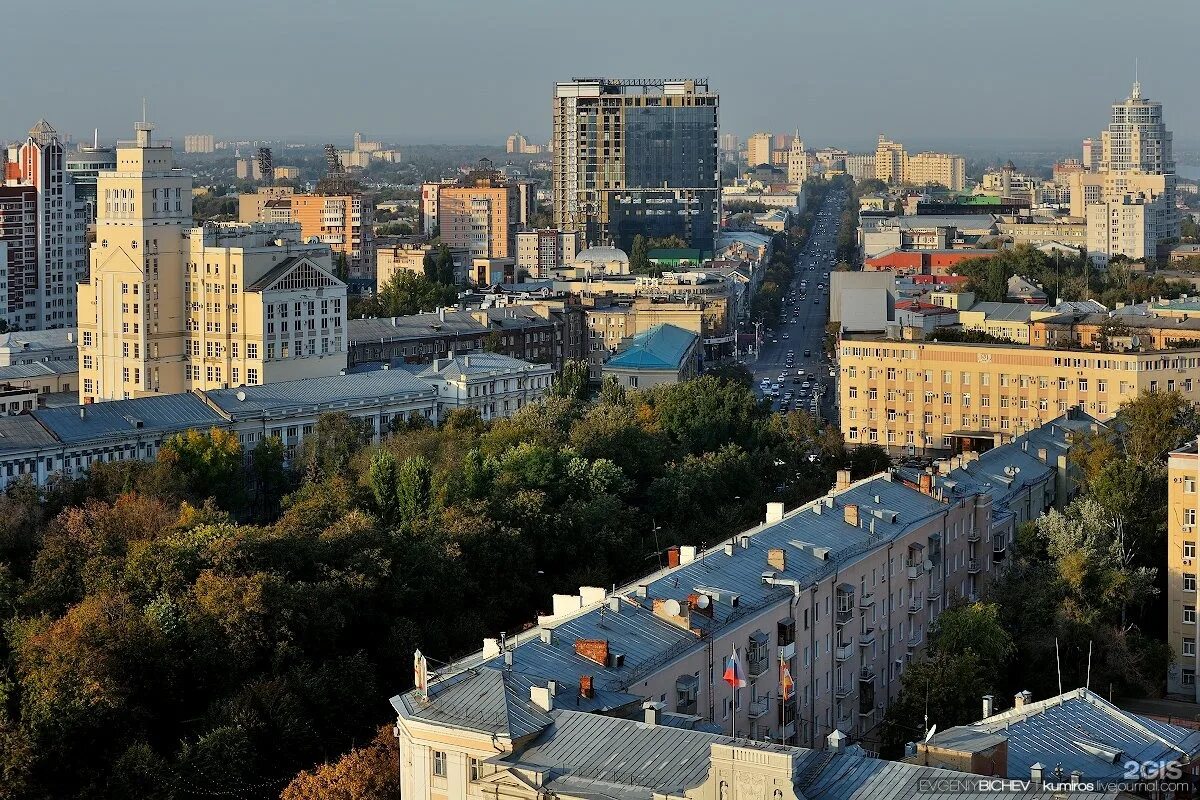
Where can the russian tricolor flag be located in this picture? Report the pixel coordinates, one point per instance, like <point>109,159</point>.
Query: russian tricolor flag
<point>735,673</point>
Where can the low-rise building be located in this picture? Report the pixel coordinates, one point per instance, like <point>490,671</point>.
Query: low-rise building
<point>1183,475</point>
<point>540,253</point>
<point>663,354</point>
<point>1073,739</point>
<point>948,396</point>
<point>922,262</point>
<point>26,347</point>
<point>24,387</point>
<point>67,440</point>
<point>494,385</point>
<point>1011,321</point>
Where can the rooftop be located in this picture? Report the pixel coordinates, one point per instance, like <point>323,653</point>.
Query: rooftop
<point>1007,312</point>
<point>37,369</point>
<point>38,340</point>
<point>413,326</point>
<point>662,347</point>
<point>161,414</point>
<point>330,394</point>
<point>477,364</point>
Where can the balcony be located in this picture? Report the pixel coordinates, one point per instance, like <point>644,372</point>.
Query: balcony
<point>998,545</point>
<point>843,651</point>
<point>759,707</point>
<point>914,571</point>
<point>866,637</point>
<point>973,535</point>
<point>788,651</point>
<point>973,566</point>
<point>866,601</point>
<point>843,691</point>
<point>916,604</point>
<point>866,675</point>
<point>756,667</point>
<point>843,616</point>
<point>916,640</point>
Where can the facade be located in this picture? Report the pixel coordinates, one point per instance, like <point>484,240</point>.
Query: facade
<point>890,161</point>
<point>941,396</point>
<point>68,440</point>
<point>494,385</point>
<point>944,169</point>
<point>252,205</point>
<point>758,149</point>
<point>481,217</point>
<point>41,293</point>
<point>20,254</point>
<point>345,224</point>
<point>541,252</point>
<point>84,166</point>
<point>840,592</point>
<point>24,387</point>
<point>860,166</point>
<point>1129,225</point>
<point>199,143</point>
<point>1183,473</point>
<point>664,354</point>
<point>132,333</point>
<point>636,157</point>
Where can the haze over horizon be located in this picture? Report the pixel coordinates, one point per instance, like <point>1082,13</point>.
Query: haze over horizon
<point>471,72</point>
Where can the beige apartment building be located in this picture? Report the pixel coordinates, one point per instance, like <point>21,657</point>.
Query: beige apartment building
<point>944,169</point>
<point>482,217</point>
<point>540,252</point>
<point>1183,471</point>
<point>173,308</point>
<point>938,396</point>
<point>840,593</point>
<point>261,306</point>
<point>889,161</point>
<point>758,149</point>
<point>251,205</point>
<point>131,316</point>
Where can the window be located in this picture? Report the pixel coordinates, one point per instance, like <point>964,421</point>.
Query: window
<point>87,338</point>
<point>252,376</point>
<point>1189,485</point>
<point>1189,581</point>
<point>1189,549</point>
<point>439,764</point>
<point>1189,516</point>
<point>1189,677</point>
<point>474,766</point>
<point>1189,615</point>
<point>1189,646</point>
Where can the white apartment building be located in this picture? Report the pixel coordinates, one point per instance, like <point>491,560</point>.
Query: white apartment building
<point>1129,225</point>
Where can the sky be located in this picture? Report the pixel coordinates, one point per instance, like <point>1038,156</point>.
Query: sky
<point>926,72</point>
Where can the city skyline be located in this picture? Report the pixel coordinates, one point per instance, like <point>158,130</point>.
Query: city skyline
<point>845,86</point>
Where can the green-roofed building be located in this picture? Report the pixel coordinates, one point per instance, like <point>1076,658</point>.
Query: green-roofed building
<point>663,354</point>
<point>677,257</point>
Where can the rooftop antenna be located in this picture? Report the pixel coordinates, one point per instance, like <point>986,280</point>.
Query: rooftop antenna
<point>1058,661</point>
<point>1088,683</point>
<point>1137,85</point>
<point>143,111</point>
<point>96,138</point>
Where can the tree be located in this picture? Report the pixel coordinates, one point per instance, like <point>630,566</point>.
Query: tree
<point>412,488</point>
<point>336,438</point>
<point>341,268</point>
<point>370,772</point>
<point>639,263</point>
<point>573,383</point>
<point>493,342</point>
<point>268,476</point>
<point>383,477</point>
<point>409,293</point>
<point>867,460</point>
<point>1154,423</point>
<point>611,391</point>
<point>206,464</point>
<point>439,266</point>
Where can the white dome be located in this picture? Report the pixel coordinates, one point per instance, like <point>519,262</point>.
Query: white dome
<point>602,255</point>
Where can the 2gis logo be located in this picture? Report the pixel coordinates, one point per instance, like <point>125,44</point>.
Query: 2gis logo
<point>1152,771</point>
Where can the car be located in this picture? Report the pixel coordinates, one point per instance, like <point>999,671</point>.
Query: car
<point>805,386</point>
<point>807,353</point>
<point>797,379</point>
<point>786,335</point>
<point>800,372</point>
<point>833,373</point>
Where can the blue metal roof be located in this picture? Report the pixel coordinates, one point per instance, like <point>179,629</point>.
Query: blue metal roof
<point>662,347</point>
<point>96,421</point>
<point>339,391</point>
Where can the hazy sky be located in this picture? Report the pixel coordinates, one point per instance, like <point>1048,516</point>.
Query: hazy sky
<point>841,71</point>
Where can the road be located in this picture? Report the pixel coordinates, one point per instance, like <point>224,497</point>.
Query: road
<point>796,348</point>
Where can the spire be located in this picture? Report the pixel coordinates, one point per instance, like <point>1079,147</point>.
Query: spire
<point>1137,85</point>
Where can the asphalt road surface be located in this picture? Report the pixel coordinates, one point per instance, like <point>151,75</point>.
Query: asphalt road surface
<point>795,349</point>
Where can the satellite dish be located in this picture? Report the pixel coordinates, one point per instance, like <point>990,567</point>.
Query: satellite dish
<point>703,601</point>
<point>241,396</point>
<point>672,607</point>
<point>931,732</point>
<point>928,565</point>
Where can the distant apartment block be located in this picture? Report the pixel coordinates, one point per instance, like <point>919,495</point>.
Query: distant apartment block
<point>541,252</point>
<point>199,143</point>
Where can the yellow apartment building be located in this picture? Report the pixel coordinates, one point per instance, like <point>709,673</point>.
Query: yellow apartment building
<point>945,169</point>
<point>251,204</point>
<point>169,308</point>
<point>929,397</point>
<point>482,217</point>
<point>344,223</point>
<point>131,323</point>
<point>1183,470</point>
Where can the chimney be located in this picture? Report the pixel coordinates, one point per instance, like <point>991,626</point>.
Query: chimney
<point>926,483</point>
<point>547,635</point>
<point>585,687</point>
<point>1022,699</point>
<point>83,412</point>
<point>1036,773</point>
<point>774,512</point>
<point>653,711</point>
<point>441,312</point>
<point>729,548</point>
<point>687,554</point>
<point>910,749</point>
<point>594,650</point>
<point>843,480</point>
<point>777,558</point>
<point>1076,777</point>
<point>491,647</point>
<point>989,705</point>
<point>1042,455</point>
<point>673,556</point>
<point>851,514</point>
<point>542,697</point>
<point>836,741</point>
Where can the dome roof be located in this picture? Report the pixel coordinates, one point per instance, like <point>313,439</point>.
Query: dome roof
<point>1009,165</point>
<point>602,254</point>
